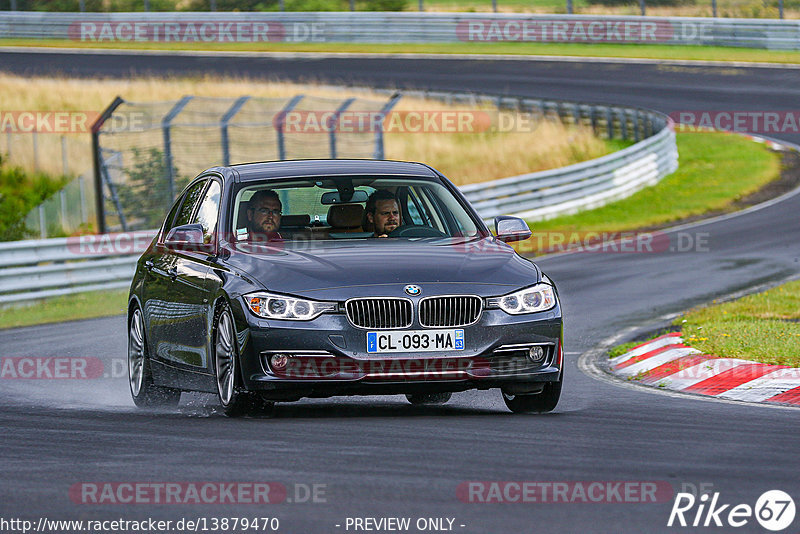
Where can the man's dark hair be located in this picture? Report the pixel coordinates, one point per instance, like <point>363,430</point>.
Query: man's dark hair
<point>380,194</point>
<point>263,193</point>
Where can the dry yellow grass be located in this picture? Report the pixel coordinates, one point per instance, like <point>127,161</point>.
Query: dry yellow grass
<point>465,157</point>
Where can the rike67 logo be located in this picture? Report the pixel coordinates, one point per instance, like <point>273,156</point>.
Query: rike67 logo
<point>774,510</point>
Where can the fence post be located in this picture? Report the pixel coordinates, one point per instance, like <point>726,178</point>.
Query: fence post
<point>97,161</point>
<point>84,211</point>
<point>714,8</point>
<point>233,110</point>
<point>333,123</point>
<point>780,9</point>
<point>569,7</point>
<point>281,118</point>
<point>166,124</point>
<point>64,160</point>
<point>42,222</point>
<point>64,223</point>
<point>642,7</point>
<point>35,151</point>
<point>421,7</point>
<point>13,5</point>
<point>636,125</point>
<point>146,5</point>
<point>82,6</point>
<point>494,6</point>
<point>379,133</point>
<point>609,123</point>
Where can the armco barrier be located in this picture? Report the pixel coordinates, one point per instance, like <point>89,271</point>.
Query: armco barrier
<point>386,27</point>
<point>51,267</point>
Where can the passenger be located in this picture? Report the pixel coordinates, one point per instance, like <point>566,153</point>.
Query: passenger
<point>264,216</point>
<point>383,212</point>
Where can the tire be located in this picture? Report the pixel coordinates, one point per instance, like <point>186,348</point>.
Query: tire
<point>543,402</point>
<point>232,396</point>
<point>418,399</point>
<point>144,391</point>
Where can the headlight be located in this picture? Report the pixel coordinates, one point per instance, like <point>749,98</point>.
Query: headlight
<point>272,306</point>
<point>538,298</point>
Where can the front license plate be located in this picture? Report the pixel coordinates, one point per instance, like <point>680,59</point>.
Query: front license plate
<point>415,341</point>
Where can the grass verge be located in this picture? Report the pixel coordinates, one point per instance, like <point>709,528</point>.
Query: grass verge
<point>716,170</point>
<point>640,51</point>
<point>764,327</point>
<point>66,308</point>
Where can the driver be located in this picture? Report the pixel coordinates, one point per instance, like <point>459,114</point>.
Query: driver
<point>383,212</point>
<point>264,216</point>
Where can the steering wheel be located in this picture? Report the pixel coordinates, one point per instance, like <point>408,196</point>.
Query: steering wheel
<point>413,230</point>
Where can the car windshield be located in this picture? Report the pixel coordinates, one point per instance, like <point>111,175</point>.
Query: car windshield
<point>323,208</point>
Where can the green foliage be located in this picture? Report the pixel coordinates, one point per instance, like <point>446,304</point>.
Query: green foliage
<point>648,3</point>
<point>386,5</point>
<point>19,194</point>
<point>145,196</point>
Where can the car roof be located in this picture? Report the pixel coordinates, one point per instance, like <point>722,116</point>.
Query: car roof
<point>330,167</point>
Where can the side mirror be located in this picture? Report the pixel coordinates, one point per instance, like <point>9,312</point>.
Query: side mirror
<point>187,237</point>
<point>510,228</point>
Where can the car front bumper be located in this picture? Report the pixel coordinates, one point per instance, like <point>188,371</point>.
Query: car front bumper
<point>328,356</point>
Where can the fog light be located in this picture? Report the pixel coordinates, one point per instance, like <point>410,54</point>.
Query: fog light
<point>536,353</point>
<point>278,361</point>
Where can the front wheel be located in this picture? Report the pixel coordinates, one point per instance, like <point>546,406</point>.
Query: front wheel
<point>234,399</point>
<point>144,391</point>
<point>543,402</point>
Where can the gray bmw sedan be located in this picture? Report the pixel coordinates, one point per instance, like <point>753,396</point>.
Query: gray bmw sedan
<point>270,282</point>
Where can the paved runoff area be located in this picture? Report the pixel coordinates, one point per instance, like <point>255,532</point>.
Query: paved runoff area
<point>665,362</point>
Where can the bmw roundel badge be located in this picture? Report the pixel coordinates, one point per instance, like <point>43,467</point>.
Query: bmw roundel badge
<point>413,290</point>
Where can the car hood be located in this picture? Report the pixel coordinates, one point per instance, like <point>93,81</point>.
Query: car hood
<point>336,270</point>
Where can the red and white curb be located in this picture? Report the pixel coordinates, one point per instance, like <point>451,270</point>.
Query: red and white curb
<point>665,362</point>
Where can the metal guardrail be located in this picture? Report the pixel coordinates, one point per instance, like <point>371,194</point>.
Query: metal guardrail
<point>44,268</point>
<point>50,267</point>
<point>389,27</point>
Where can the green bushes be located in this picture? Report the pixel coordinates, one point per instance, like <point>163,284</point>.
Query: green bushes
<point>20,193</point>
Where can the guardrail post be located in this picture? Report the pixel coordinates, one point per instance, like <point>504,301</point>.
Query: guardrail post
<point>569,7</point>
<point>780,9</point>
<point>280,119</point>
<point>593,118</point>
<point>642,7</point>
<point>226,119</point>
<point>609,123</point>
<point>714,8</point>
<point>379,133</point>
<point>333,124</point>
<point>623,123</point>
<point>166,124</point>
<point>636,125</point>
<point>98,162</point>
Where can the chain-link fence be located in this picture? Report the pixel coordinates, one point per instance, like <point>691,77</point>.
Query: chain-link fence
<point>70,211</point>
<point>149,151</point>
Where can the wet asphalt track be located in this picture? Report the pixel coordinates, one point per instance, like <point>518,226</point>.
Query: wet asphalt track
<point>381,457</point>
